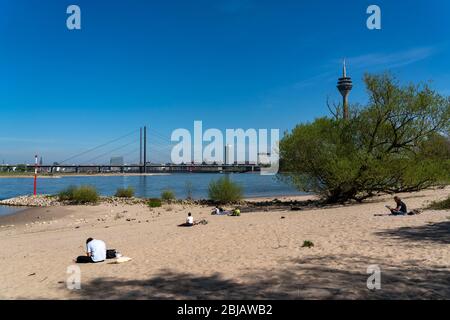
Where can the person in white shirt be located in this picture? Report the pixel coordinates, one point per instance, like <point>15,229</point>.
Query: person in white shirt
<point>95,252</point>
<point>189,221</point>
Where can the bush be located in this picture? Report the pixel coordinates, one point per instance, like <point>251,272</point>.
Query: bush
<point>79,195</point>
<point>167,195</point>
<point>67,194</point>
<point>307,244</point>
<point>125,192</point>
<point>440,205</point>
<point>394,144</point>
<point>224,191</point>
<point>154,203</point>
<point>21,168</point>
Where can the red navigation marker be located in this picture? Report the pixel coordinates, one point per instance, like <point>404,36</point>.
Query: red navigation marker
<point>35,174</point>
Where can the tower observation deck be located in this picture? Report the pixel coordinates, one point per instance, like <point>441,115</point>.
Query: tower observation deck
<point>345,85</point>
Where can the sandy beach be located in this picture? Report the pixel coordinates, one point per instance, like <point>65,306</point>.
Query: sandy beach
<point>258,255</point>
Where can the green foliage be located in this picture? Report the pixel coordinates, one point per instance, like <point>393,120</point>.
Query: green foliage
<point>168,195</point>
<point>440,205</point>
<point>67,194</point>
<point>396,143</point>
<point>79,195</point>
<point>236,213</point>
<point>224,191</point>
<point>21,168</point>
<point>307,244</point>
<point>125,192</point>
<point>154,203</point>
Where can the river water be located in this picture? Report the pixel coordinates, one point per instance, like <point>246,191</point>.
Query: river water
<point>253,184</point>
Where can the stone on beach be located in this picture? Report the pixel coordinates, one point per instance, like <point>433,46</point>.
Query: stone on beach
<point>31,201</point>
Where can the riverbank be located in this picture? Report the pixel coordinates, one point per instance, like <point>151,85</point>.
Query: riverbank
<point>53,201</point>
<point>257,255</point>
<point>150,186</point>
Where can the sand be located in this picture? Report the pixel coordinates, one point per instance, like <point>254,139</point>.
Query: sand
<point>258,255</point>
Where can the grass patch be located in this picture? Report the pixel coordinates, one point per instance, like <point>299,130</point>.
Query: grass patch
<point>224,191</point>
<point>154,203</point>
<point>440,205</point>
<point>167,195</point>
<point>79,195</point>
<point>307,244</point>
<point>125,192</point>
<point>67,194</point>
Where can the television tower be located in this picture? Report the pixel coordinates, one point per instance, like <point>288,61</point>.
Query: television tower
<point>344,86</point>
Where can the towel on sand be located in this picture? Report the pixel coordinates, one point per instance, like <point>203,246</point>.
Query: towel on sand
<point>122,260</point>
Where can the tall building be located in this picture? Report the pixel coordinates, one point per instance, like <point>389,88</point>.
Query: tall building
<point>345,85</point>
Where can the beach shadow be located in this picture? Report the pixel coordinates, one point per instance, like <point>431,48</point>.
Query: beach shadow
<point>305,278</point>
<point>436,232</point>
<point>409,280</point>
<point>172,285</point>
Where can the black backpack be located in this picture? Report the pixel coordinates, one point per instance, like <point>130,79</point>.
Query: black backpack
<point>111,253</point>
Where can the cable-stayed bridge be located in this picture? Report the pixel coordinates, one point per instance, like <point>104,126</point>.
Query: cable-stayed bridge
<point>131,149</point>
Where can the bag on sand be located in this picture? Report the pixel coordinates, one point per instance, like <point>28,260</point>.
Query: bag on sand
<point>111,253</point>
<point>414,212</point>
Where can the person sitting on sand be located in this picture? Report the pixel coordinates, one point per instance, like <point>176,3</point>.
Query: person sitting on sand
<point>95,252</point>
<point>215,211</point>
<point>400,209</point>
<point>189,221</point>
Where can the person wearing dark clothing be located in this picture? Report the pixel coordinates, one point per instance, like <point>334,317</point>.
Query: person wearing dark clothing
<point>400,208</point>
<point>84,259</point>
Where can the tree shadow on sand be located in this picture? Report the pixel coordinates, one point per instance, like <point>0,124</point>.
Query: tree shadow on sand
<point>435,232</point>
<point>305,278</point>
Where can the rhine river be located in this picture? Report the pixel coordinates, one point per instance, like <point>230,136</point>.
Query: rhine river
<point>253,184</point>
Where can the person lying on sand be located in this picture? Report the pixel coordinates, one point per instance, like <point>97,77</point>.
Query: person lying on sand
<point>219,211</point>
<point>95,252</point>
<point>400,209</point>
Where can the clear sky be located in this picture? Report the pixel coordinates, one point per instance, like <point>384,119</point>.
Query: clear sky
<point>232,64</point>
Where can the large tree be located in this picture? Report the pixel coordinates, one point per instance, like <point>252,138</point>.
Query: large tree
<point>397,142</point>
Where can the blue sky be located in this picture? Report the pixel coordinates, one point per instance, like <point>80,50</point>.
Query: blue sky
<point>231,64</point>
